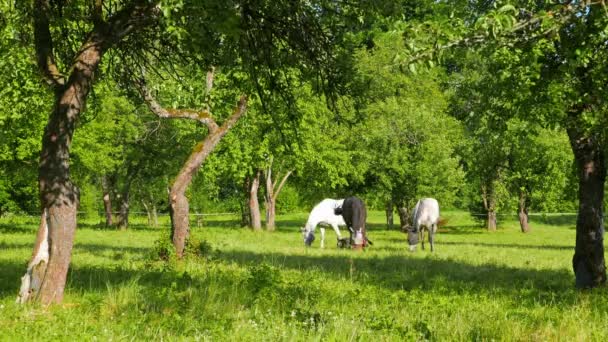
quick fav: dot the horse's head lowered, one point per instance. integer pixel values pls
(307, 235)
(412, 237)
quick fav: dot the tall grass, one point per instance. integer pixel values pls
(267, 286)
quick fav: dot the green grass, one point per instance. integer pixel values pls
(267, 287)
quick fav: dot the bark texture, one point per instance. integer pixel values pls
(588, 260)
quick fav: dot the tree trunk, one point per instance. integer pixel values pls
(58, 195)
(270, 206)
(491, 220)
(245, 213)
(588, 261)
(404, 220)
(107, 201)
(123, 211)
(180, 226)
(523, 212)
(272, 192)
(148, 213)
(154, 216)
(36, 269)
(389, 214)
(269, 200)
(178, 202)
(254, 205)
(489, 203)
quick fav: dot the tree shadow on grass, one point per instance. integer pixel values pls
(449, 277)
(88, 278)
(554, 220)
(17, 228)
(507, 245)
(394, 273)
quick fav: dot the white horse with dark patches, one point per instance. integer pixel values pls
(426, 216)
(323, 215)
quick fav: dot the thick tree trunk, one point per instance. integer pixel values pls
(254, 205)
(389, 214)
(245, 212)
(59, 197)
(588, 261)
(107, 201)
(523, 212)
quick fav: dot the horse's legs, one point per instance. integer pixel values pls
(322, 237)
(421, 235)
(337, 230)
(432, 235)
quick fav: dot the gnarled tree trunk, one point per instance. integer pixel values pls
(59, 197)
(254, 204)
(588, 261)
(178, 202)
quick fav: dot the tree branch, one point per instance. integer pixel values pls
(276, 193)
(137, 14)
(44, 45)
(202, 116)
(97, 13)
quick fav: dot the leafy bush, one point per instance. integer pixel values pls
(263, 276)
(198, 248)
(163, 249)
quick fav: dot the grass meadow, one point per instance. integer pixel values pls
(250, 286)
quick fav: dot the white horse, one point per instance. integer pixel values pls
(426, 215)
(323, 215)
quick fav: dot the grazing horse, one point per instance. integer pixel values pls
(355, 214)
(323, 214)
(426, 215)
